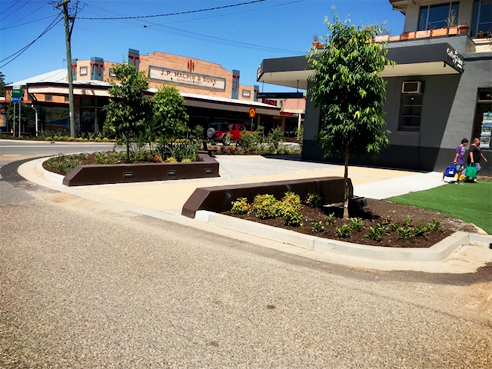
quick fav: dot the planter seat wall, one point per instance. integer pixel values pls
(142, 172)
(218, 199)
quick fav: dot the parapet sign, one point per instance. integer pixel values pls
(280, 95)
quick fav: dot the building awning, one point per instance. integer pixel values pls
(418, 60)
(424, 60)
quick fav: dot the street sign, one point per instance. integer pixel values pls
(18, 92)
(16, 99)
(280, 95)
(252, 113)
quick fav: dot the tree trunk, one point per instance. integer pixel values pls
(346, 185)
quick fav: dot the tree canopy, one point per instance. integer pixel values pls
(346, 86)
(128, 110)
(170, 118)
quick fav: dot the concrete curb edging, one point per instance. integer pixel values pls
(38, 168)
(439, 252)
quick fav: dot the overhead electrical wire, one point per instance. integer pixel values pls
(176, 13)
(23, 24)
(18, 53)
(193, 35)
(13, 25)
(16, 10)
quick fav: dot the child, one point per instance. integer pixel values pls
(459, 158)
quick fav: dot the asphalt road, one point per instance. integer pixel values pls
(87, 285)
(46, 148)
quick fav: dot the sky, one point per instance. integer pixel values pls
(236, 36)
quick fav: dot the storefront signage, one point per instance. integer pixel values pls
(187, 78)
(455, 58)
(280, 95)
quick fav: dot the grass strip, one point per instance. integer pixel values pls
(471, 202)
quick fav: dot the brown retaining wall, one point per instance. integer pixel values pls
(218, 199)
(83, 175)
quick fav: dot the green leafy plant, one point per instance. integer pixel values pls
(344, 231)
(265, 206)
(241, 206)
(314, 200)
(434, 225)
(350, 93)
(406, 234)
(317, 227)
(407, 221)
(292, 217)
(421, 231)
(394, 226)
(356, 224)
(330, 219)
(377, 232)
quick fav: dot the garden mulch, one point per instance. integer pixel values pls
(377, 212)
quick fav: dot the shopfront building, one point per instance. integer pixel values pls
(438, 93)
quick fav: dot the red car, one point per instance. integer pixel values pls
(219, 131)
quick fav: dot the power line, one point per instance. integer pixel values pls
(23, 24)
(18, 53)
(176, 13)
(12, 25)
(15, 11)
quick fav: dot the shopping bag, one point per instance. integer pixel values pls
(471, 171)
(450, 171)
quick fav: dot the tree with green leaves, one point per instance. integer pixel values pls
(128, 111)
(170, 118)
(27, 114)
(347, 88)
(2, 84)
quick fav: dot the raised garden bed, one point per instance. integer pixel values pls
(97, 174)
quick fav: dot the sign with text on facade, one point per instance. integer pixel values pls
(187, 78)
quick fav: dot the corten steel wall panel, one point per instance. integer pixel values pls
(218, 199)
(129, 173)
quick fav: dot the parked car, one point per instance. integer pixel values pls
(219, 131)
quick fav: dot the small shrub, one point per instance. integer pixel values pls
(318, 227)
(421, 231)
(344, 231)
(376, 233)
(265, 206)
(330, 219)
(394, 226)
(171, 159)
(407, 221)
(292, 217)
(356, 224)
(292, 199)
(406, 234)
(314, 200)
(434, 225)
(241, 206)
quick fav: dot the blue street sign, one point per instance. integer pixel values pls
(15, 99)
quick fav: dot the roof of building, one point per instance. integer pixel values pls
(60, 76)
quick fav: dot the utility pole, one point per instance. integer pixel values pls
(68, 35)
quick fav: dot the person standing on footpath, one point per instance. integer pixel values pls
(475, 155)
(459, 158)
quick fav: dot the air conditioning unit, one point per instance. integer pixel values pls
(411, 87)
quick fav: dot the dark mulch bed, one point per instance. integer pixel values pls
(377, 211)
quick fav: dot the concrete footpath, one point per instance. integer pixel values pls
(165, 199)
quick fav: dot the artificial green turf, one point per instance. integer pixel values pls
(471, 202)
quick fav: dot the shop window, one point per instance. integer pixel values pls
(438, 16)
(482, 18)
(83, 71)
(49, 98)
(410, 111)
(246, 93)
(111, 72)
